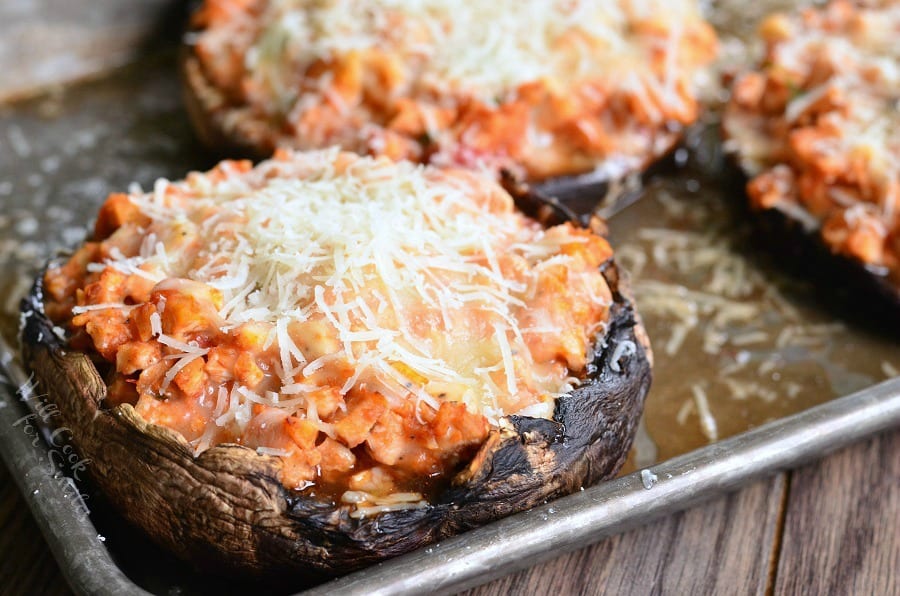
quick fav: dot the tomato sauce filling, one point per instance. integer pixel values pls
(818, 126)
(366, 322)
(543, 89)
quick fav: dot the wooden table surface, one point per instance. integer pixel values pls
(832, 527)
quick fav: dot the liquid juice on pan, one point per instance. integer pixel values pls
(737, 341)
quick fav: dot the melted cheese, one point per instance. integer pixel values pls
(486, 47)
(399, 272)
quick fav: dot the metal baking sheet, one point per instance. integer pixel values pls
(749, 364)
(475, 557)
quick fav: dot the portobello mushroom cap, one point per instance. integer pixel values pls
(226, 508)
(213, 111)
(798, 127)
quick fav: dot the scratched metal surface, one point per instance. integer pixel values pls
(738, 342)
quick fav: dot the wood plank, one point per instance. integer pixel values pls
(50, 42)
(842, 523)
(712, 548)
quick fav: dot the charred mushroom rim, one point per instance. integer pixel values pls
(817, 130)
(573, 90)
(327, 360)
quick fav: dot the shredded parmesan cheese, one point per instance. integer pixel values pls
(304, 306)
(489, 46)
(336, 234)
(707, 421)
(623, 349)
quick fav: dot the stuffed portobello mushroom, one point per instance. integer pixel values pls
(311, 365)
(575, 92)
(817, 130)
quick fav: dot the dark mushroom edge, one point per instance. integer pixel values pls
(226, 510)
(855, 291)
